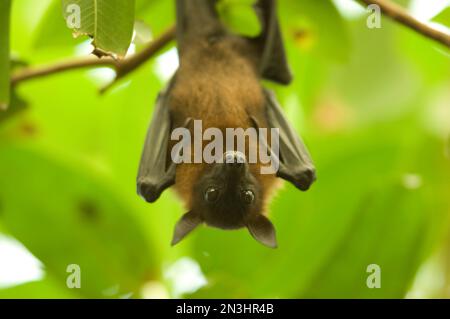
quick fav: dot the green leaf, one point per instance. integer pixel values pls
(239, 16)
(82, 222)
(5, 9)
(52, 23)
(109, 22)
(443, 17)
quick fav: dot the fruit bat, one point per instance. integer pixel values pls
(218, 82)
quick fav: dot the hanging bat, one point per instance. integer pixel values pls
(218, 82)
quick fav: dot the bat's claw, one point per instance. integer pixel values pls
(301, 178)
(148, 190)
(305, 178)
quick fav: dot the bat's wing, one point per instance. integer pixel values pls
(273, 63)
(296, 165)
(156, 173)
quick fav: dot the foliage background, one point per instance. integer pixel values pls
(373, 106)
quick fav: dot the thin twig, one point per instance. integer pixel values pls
(400, 15)
(36, 72)
(122, 67)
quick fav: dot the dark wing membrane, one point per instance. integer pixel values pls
(295, 162)
(154, 177)
(273, 63)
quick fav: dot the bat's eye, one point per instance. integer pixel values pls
(248, 196)
(212, 194)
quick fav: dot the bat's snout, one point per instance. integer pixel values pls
(234, 159)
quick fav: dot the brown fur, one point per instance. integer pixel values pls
(218, 84)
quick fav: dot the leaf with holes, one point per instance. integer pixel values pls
(108, 22)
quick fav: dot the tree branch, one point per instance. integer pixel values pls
(122, 67)
(129, 64)
(400, 15)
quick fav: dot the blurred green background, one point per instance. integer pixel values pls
(373, 106)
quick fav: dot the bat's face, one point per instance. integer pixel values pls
(228, 196)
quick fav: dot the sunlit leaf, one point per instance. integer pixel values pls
(443, 17)
(108, 22)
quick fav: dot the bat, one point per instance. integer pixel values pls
(219, 82)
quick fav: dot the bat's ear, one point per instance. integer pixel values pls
(262, 230)
(184, 226)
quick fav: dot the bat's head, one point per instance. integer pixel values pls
(228, 196)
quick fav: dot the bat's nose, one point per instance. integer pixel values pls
(234, 159)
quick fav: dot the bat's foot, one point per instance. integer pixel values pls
(301, 178)
(148, 191)
(305, 178)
